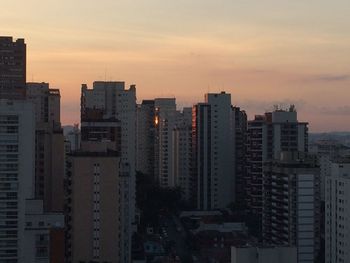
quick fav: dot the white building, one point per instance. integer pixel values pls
(327, 151)
(337, 213)
(263, 255)
(17, 153)
(213, 152)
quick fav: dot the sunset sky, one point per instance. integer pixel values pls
(262, 52)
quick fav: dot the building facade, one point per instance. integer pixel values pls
(240, 155)
(213, 154)
(268, 135)
(337, 212)
(49, 145)
(182, 153)
(12, 68)
(145, 137)
(291, 204)
(95, 203)
(17, 148)
(166, 117)
(271, 254)
(41, 229)
(108, 122)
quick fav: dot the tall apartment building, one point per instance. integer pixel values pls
(27, 232)
(108, 121)
(291, 204)
(240, 151)
(17, 131)
(337, 211)
(166, 117)
(108, 113)
(96, 201)
(327, 152)
(49, 145)
(12, 68)
(268, 135)
(212, 145)
(182, 153)
(145, 137)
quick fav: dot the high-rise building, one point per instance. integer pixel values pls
(240, 151)
(337, 211)
(49, 145)
(96, 203)
(268, 135)
(327, 152)
(213, 152)
(291, 204)
(145, 137)
(12, 68)
(182, 153)
(17, 148)
(166, 117)
(108, 122)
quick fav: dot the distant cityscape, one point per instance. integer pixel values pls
(148, 182)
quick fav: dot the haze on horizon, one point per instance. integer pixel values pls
(262, 52)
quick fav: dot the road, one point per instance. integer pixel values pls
(179, 237)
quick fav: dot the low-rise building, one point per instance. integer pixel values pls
(263, 254)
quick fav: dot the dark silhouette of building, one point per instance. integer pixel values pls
(12, 68)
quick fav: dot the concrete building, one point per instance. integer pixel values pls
(12, 68)
(182, 153)
(240, 151)
(337, 212)
(166, 117)
(327, 152)
(269, 135)
(49, 145)
(41, 244)
(145, 137)
(22, 219)
(291, 204)
(73, 139)
(213, 152)
(97, 197)
(108, 122)
(17, 131)
(263, 255)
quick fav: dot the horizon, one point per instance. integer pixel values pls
(261, 53)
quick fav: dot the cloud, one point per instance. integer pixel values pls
(328, 78)
(340, 110)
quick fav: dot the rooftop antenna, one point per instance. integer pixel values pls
(105, 74)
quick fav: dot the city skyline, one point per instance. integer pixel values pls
(148, 182)
(262, 53)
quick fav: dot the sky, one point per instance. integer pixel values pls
(262, 52)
